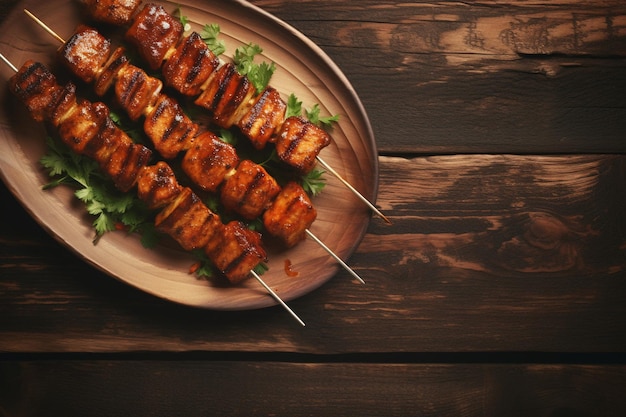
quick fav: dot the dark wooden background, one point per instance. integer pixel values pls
(499, 290)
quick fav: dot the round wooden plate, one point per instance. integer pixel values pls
(302, 68)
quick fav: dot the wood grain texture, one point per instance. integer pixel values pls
(486, 253)
(105, 388)
(449, 77)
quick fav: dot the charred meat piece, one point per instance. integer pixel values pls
(125, 164)
(189, 221)
(249, 191)
(170, 130)
(37, 88)
(290, 215)
(299, 142)
(191, 64)
(136, 91)
(108, 74)
(85, 53)
(209, 160)
(236, 251)
(157, 185)
(264, 118)
(116, 12)
(154, 33)
(82, 124)
(227, 96)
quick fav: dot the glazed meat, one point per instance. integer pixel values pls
(299, 142)
(249, 191)
(136, 91)
(157, 185)
(169, 129)
(85, 53)
(189, 221)
(154, 33)
(264, 118)
(209, 160)
(37, 88)
(236, 251)
(116, 12)
(227, 96)
(291, 214)
(191, 64)
(108, 74)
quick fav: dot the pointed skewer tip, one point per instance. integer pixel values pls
(334, 255)
(277, 298)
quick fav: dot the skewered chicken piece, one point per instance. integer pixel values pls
(87, 129)
(244, 200)
(192, 58)
(112, 11)
(245, 187)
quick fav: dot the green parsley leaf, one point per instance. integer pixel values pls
(209, 35)
(312, 182)
(294, 106)
(313, 114)
(258, 74)
(184, 20)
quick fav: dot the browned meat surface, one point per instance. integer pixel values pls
(209, 160)
(237, 251)
(157, 185)
(154, 32)
(227, 96)
(249, 191)
(169, 129)
(85, 53)
(299, 142)
(191, 64)
(136, 91)
(37, 88)
(116, 12)
(108, 74)
(264, 118)
(189, 221)
(290, 215)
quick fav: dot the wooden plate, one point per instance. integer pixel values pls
(302, 68)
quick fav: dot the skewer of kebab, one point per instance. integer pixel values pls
(246, 187)
(86, 128)
(190, 67)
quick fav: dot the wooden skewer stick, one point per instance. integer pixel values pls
(326, 166)
(320, 160)
(354, 190)
(271, 292)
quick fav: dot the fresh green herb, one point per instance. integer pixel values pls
(110, 207)
(313, 115)
(312, 182)
(229, 137)
(183, 19)
(209, 35)
(294, 106)
(258, 74)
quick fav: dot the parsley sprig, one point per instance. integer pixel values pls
(258, 73)
(112, 209)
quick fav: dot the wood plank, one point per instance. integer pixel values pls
(455, 77)
(105, 388)
(486, 253)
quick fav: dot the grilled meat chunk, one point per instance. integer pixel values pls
(116, 12)
(135, 91)
(299, 142)
(170, 130)
(227, 96)
(191, 64)
(81, 124)
(154, 33)
(264, 118)
(108, 74)
(209, 160)
(157, 185)
(125, 164)
(85, 53)
(189, 221)
(37, 88)
(249, 191)
(290, 215)
(236, 251)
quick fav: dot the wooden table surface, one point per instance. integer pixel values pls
(499, 289)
